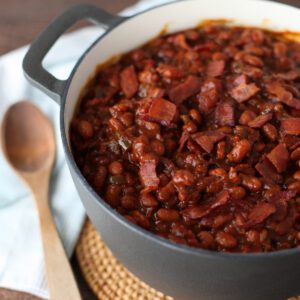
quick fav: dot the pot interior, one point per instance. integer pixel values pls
(173, 17)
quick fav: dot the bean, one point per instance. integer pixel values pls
(246, 117)
(100, 177)
(296, 175)
(168, 215)
(221, 220)
(183, 177)
(253, 60)
(259, 147)
(115, 168)
(166, 192)
(140, 219)
(251, 183)
(237, 192)
(206, 239)
(148, 200)
(129, 178)
(190, 127)
(239, 152)
(270, 131)
(218, 172)
(221, 150)
(158, 147)
(226, 240)
(294, 186)
(196, 116)
(85, 129)
(128, 202)
(127, 119)
(295, 155)
(112, 195)
(279, 49)
(253, 236)
(263, 235)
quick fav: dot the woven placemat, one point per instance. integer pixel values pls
(109, 279)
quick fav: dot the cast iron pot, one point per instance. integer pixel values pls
(179, 271)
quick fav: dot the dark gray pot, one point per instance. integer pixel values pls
(176, 270)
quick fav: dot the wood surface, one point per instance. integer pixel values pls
(20, 22)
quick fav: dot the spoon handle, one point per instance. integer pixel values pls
(60, 278)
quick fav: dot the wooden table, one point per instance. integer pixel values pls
(20, 22)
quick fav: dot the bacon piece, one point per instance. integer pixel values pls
(267, 170)
(279, 157)
(209, 95)
(183, 91)
(215, 68)
(161, 111)
(169, 71)
(261, 120)
(282, 95)
(129, 81)
(244, 92)
(148, 174)
(291, 126)
(224, 115)
(260, 213)
(183, 139)
(241, 79)
(208, 139)
(289, 76)
(201, 211)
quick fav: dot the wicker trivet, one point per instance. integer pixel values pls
(107, 278)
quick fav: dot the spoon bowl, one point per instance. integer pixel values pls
(28, 138)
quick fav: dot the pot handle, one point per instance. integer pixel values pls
(32, 63)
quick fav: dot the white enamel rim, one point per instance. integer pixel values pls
(139, 29)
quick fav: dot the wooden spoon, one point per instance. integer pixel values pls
(29, 145)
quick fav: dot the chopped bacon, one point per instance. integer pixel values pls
(183, 139)
(267, 170)
(291, 126)
(208, 139)
(186, 89)
(161, 111)
(221, 199)
(260, 213)
(129, 81)
(209, 95)
(215, 68)
(241, 79)
(290, 75)
(180, 40)
(261, 120)
(203, 210)
(279, 157)
(224, 115)
(169, 71)
(148, 174)
(283, 95)
(244, 92)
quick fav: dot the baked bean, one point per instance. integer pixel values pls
(127, 119)
(158, 147)
(100, 177)
(190, 127)
(270, 131)
(251, 183)
(253, 60)
(294, 186)
(168, 215)
(221, 151)
(247, 116)
(183, 177)
(226, 240)
(166, 192)
(148, 200)
(115, 168)
(240, 150)
(218, 172)
(128, 202)
(295, 155)
(206, 239)
(237, 192)
(112, 195)
(296, 175)
(85, 129)
(195, 116)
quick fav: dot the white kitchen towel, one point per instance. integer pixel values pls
(21, 256)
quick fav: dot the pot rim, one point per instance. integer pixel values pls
(121, 219)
